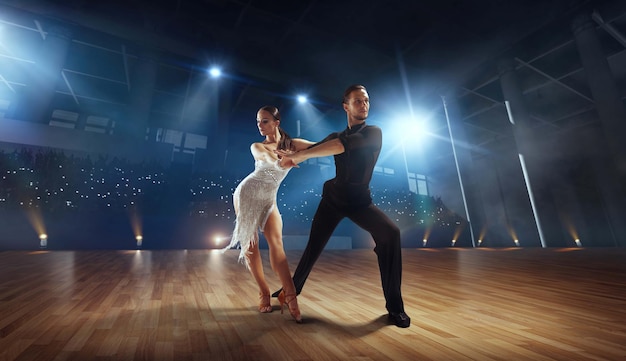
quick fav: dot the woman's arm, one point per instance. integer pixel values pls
(331, 147)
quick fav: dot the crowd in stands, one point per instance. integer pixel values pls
(54, 181)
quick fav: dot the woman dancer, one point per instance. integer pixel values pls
(255, 207)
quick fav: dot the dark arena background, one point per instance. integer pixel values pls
(125, 127)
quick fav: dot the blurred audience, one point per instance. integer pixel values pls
(56, 182)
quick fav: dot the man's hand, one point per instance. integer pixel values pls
(286, 159)
(286, 162)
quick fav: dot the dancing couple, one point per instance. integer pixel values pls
(355, 151)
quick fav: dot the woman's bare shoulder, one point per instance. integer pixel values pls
(262, 151)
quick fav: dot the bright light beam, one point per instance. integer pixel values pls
(215, 72)
(418, 129)
(405, 84)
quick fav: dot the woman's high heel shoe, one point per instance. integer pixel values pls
(292, 305)
(264, 303)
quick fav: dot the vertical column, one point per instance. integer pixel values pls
(514, 101)
(524, 209)
(465, 168)
(603, 88)
(35, 105)
(495, 195)
(610, 167)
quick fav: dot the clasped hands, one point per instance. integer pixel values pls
(286, 158)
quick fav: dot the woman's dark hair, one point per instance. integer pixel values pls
(350, 89)
(285, 139)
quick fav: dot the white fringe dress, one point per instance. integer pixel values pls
(254, 199)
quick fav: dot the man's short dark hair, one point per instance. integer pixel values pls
(350, 89)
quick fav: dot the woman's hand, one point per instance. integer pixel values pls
(287, 162)
(283, 152)
(286, 158)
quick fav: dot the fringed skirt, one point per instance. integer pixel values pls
(254, 199)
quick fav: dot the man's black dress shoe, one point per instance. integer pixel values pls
(399, 319)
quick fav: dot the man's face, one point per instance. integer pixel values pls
(358, 105)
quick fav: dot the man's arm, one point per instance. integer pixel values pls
(331, 147)
(301, 144)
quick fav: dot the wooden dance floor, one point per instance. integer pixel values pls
(465, 304)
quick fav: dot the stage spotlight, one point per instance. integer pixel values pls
(43, 240)
(514, 236)
(408, 131)
(218, 240)
(139, 239)
(418, 128)
(424, 241)
(302, 99)
(573, 233)
(453, 242)
(483, 231)
(215, 72)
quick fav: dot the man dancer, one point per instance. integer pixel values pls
(356, 151)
